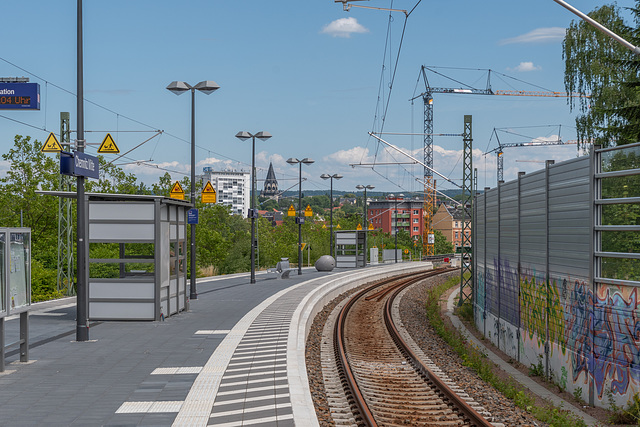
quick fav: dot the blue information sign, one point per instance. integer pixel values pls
(79, 164)
(19, 96)
(192, 216)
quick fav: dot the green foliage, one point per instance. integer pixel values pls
(43, 283)
(465, 312)
(537, 370)
(619, 415)
(441, 244)
(595, 64)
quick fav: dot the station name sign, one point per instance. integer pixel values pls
(19, 96)
(79, 164)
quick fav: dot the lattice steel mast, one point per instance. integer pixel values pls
(466, 283)
(65, 247)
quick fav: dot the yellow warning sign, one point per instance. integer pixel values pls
(370, 226)
(291, 211)
(359, 227)
(51, 145)
(108, 145)
(176, 191)
(308, 211)
(324, 225)
(338, 226)
(303, 246)
(208, 193)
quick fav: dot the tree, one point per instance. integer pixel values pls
(31, 170)
(596, 64)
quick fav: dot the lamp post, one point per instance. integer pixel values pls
(299, 218)
(207, 87)
(253, 213)
(365, 226)
(332, 177)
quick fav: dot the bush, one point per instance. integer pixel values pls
(44, 283)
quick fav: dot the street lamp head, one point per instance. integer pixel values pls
(325, 176)
(359, 187)
(263, 136)
(338, 176)
(178, 87)
(370, 187)
(243, 135)
(207, 87)
(293, 161)
(307, 161)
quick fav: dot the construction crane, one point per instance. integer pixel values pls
(427, 97)
(531, 143)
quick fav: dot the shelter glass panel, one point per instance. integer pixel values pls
(19, 269)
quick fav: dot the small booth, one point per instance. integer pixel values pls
(15, 286)
(351, 250)
(137, 256)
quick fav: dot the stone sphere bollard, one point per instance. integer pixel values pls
(325, 263)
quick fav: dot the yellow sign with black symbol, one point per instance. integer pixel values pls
(208, 193)
(51, 145)
(308, 211)
(176, 191)
(291, 211)
(359, 227)
(108, 146)
(370, 226)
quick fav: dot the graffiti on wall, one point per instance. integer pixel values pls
(578, 333)
(616, 328)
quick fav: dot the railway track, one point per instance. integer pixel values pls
(385, 382)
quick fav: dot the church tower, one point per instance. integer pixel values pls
(270, 184)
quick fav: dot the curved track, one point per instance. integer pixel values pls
(386, 383)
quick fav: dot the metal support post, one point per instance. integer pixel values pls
(24, 336)
(82, 318)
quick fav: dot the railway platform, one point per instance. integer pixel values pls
(236, 358)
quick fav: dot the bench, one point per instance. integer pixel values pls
(282, 269)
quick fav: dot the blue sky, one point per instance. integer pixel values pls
(314, 76)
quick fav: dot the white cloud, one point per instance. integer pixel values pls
(344, 27)
(353, 155)
(539, 35)
(525, 66)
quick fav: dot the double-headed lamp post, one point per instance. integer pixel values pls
(365, 226)
(207, 87)
(332, 177)
(253, 213)
(300, 217)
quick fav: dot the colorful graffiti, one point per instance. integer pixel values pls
(616, 330)
(578, 332)
(533, 301)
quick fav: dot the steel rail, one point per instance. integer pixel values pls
(354, 394)
(341, 353)
(471, 415)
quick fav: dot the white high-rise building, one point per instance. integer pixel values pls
(233, 188)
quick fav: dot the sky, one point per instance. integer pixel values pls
(314, 76)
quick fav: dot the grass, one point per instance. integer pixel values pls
(476, 360)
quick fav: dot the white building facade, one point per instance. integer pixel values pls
(233, 188)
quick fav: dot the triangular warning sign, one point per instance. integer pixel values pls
(51, 145)
(108, 145)
(177, 188)
(208, 193)
(208, 188)
(176, 191)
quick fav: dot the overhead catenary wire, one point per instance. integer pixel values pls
(47, 83)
